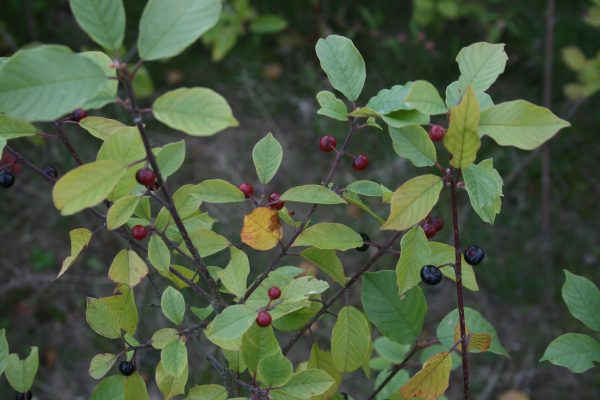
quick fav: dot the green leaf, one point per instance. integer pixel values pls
(196, 111)
(227, 329)
(413, 142)
(3, 351)
(103, 21)
(202, 312)
(462, 140)
(484, 185)
(304, 385)
(391, 351)
(164, 336)
(21, 373)
(218, 191)
(368, 188)
(402, 118)
(235, 274)
(119, 213)
(207, 392)
(187, 201)
(331, 106)
(135, 387)
(520, 124)
(442, 253)
(111, 388)
(583, 299)
(13, 128)
(414, 254)
(108, 93)
(480, 65)
(412, 201)
(343, 65)
(123, 307)
(268, 23)
(314, 194)
(424, 97)
(44, 82)
(159, 254)
(169, 385)
(350, 340)
(455, 92)
(400, 318)
(170, 158)
(274, 370)
(174, 357)
(475, 323)
(328, 235)
(172, 304)
(80, 238)
(127, 268)
(392, 386)
(389, 100)
(267, 155)
(102, 319)
(207, 242)
(301, 289)
(103, 128)
(327, 261)
(2, 145)
(86, 186)
(168, 27)
(257, 343)
(322, 360)
(574, 58)
(574, 351)
(101, 364)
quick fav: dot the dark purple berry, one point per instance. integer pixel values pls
(6, 179)
(78, 114)
(438, 222)
(126, 368)
(473, 255)
(274, 201)
(365, 245)
(50, 172)
(431, 275)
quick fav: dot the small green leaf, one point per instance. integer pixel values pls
(402, 118)
(21, 373)
(120, 212)
(13, 128)
(462, 140)
(414, 254)
(314, 194)
(274, 370)
(3, 351)
(268, 23)
(574, 351)
(343, 65)
(413, 142)
(424, 97)
(159, 254)
(112, 387)
(480, 65)
(350, 340)
(235, 274)
(174, 357)
(484, 185)
(391, 351)
(172, 304)
(389, 100)
(583, 299)
(202, 312)
(80, 238)
(267, 155)
(195, 111)
(218, 191)
(257, 343)
(331, 106)
(328, 235)
(207, 392)
(304, 385)
(103, 21)
(101, 364)
(327, 261)
(108, 93)
(135, 387)
(103, 128)
(227, 329)
(442, 253)
(322, 360)
(186, 200)
(164, 336)
(207, 242)
(127, 268)
(102, 319)
(302, 288)
(167, 27)
(170, 158)
(169, 385)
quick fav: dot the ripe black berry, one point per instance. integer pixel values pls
(20, 396)
(436, 133)
(431, 275)
(274, 201)
(360, 162)
(365, 245)
(126, 368)
(29, 395)
(327, 143)
(78, 114)
(274, 293)
(6, 179)
(50, 172)
(145, 176)
(473, 255)
(263, 319)
(247, 189)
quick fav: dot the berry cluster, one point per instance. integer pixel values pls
(264, 319)
(328, 143)
(274, 199)
(432, 225)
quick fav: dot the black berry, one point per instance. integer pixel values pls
(6, 179)
(473, 255)
(78, 114)
(360, 162)
(20, 396)
(327, 143)
(126, 368)
(365, 245)
(431, 275)
(50, 172)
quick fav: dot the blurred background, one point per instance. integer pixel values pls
(261, 58)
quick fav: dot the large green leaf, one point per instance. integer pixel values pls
(207, 242)
(414, 254)
(267, 155)
(174, 357)
(274, 370)
(331, 106)
(424, 97)
(583, 299)
(127, 268)
(172, 304)
(167, 27)
(400, 318)
(343, 65)
(42, 83)
(480, 65)
(521, 124)
(135, 387)
(102, 20)
(412, 201)
(119, 213)
(218, 191)
(102, 319)
(484, 185)
(350, 340)
(304, 385)
(227, 329)
(13, 128)
(328, 235)
(328, 261)
(112, 387)
(21, 373)
(574, 351)
(196, 111)
(413, 142)
(314, 194)
(462, 139)
(257, 343)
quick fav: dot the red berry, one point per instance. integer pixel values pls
(429, 230)
(145, 176)
(139, 232)
(436, 133)
(274, 201)
(263, 319)
(327, 143)
(274, 293)
(16, 168)
(247, 189)
(78, 114)
(438, 222)
(360, 162)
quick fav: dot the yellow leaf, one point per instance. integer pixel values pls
(513, 395)
(127, 268)
(262, 229)
(431, 381)
(478, 342)
(462, 139)
(80, 238)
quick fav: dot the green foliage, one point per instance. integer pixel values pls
(21, 373)
(172, 304)
(316, 194)
(327, 235)
(267, 155)
(103, 21)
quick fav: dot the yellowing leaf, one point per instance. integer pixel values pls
(431, 381)
(262, 229)
(462, 139)
(80, 238)
(478, 342)
(127, 268)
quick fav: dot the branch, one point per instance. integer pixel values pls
(193, 285)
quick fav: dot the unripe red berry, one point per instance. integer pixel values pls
(247, 189)
(145, 176)
(327, 143)
(78, 114)
(139, 232)
(436, 133)
(274, 293)
(360, 162)
(429, 230)
(438, 222)
(263, 319)
(274, 201)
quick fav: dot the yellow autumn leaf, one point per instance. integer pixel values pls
(478, 342)
(431, 381)
(462, 139)
(262, 229)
